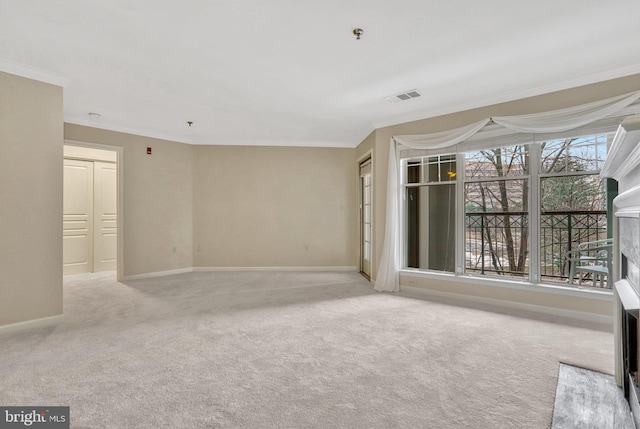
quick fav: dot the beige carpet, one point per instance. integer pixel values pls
(288, 350)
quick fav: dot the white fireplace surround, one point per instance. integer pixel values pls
(624, 156)
(626, 205)
(623, 161)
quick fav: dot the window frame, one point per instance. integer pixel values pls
(404, 216)
(526, 178)
(534, 177)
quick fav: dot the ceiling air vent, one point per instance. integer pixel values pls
(408, 95)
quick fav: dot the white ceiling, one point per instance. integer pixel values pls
(290, 72)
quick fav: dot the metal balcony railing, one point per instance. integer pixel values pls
(561, 232)
(498, 242)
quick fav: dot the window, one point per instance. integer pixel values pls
(572, 200)
(496, 190)
(430, 212)
(523, 206)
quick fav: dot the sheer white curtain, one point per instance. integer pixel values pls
(569, 118)
(387, 279)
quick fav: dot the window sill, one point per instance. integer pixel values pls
(598, 294)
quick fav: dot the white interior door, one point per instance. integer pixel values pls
(77, 217)
(105, 216)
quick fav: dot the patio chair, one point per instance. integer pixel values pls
(591, 259)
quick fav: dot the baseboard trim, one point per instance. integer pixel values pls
(31, 324)
(512, 305)
(239, 269)
(158, 274)
(323, 268)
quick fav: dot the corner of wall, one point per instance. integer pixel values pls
(31, 187)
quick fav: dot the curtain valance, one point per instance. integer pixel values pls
(441, 139)
(546, 122)
(567, 119)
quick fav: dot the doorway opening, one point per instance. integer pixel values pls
(365, 208)
(91, 209)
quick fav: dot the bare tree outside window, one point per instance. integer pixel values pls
(572, 200)
(496, 199)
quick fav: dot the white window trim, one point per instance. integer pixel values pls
(535, 175)
(600, 294)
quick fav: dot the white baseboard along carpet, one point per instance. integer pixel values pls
(287, 350)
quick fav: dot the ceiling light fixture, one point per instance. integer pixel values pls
(358, 32)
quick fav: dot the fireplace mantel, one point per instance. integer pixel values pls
(628, 297)
(627, 204)
(624, 154)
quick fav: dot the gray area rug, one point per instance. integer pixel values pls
(288, 350)
(589, 399)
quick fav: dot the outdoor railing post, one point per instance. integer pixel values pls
(482, 242)
(569, 246)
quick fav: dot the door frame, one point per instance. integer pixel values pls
(119, 150)
(365, 156)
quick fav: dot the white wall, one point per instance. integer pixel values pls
(31, 138)
(230, 206)
(274, 207)
(158, 199)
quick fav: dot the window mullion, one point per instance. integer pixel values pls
(534, 212)
(460, 215)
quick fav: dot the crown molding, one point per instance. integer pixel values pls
(205, 141)
(137, 132)
(279, 143)
(511, 96)
(34, 73)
